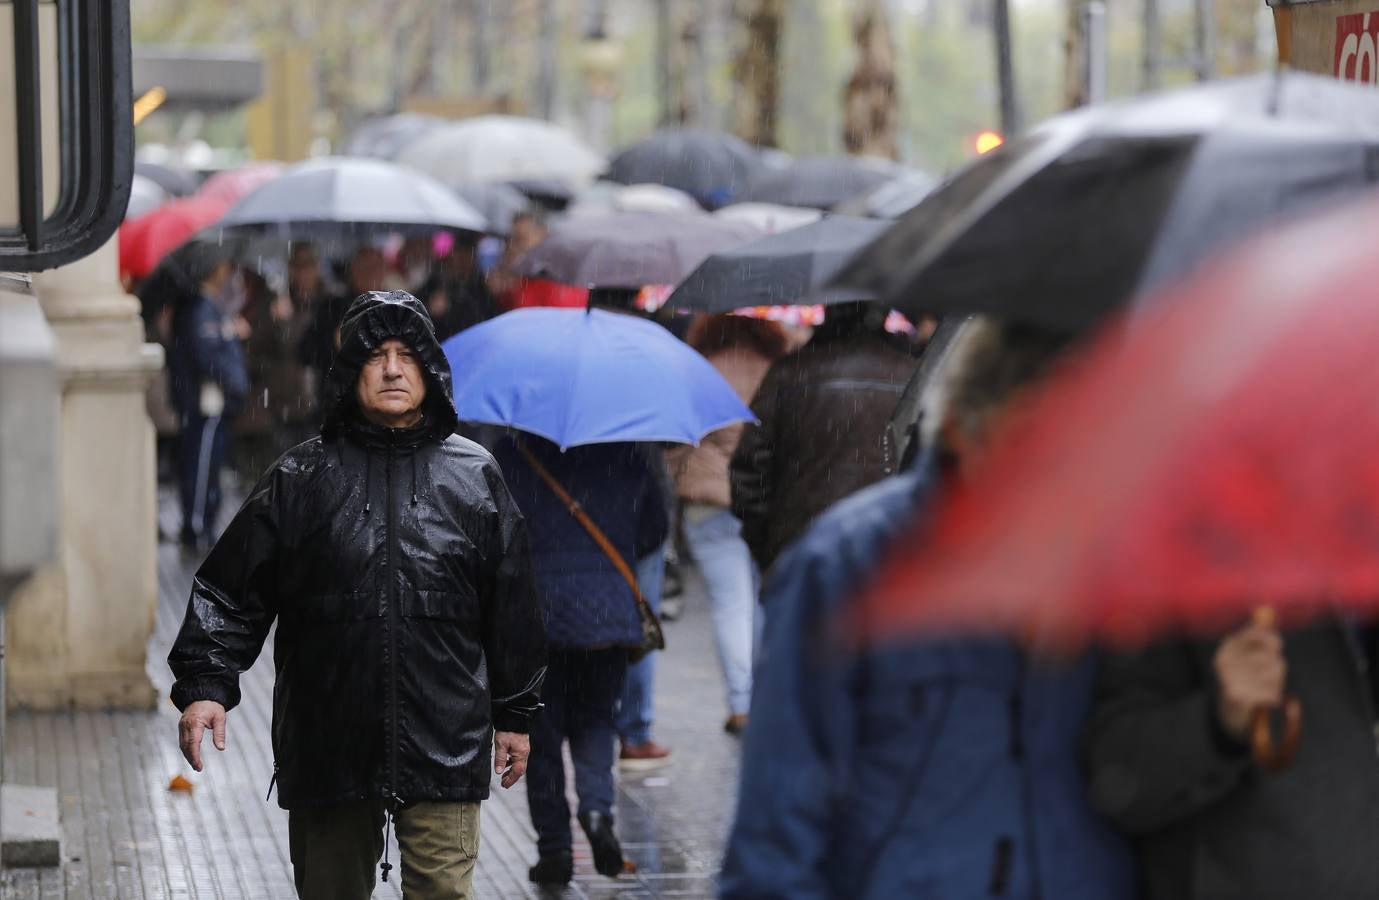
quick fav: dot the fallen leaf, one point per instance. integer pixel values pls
(179, 783)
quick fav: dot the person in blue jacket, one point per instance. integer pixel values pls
(940, 768)
(209, 383)
(592, 623)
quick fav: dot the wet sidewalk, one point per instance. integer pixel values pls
(128, 836)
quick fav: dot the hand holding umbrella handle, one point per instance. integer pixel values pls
(1275, 757)
(1271, 757)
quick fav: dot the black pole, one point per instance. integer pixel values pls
(1005, 68)
(30, 121)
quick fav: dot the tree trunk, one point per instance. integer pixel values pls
(871, 103)
(546, 63)
(694, 82)
(1005, 68)
(665, 63)
(1074, 53)
(481, 34)
(757, 70)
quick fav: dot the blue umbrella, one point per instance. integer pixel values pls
(588, 377)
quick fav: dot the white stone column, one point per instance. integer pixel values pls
(79, 628)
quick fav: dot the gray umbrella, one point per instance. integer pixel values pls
(324, 196)
(384, 137)
(1100, 205)
(821, 182)
(785, 268)
(499, 203)
(892, 199)
(145, 195)
(710, 166)
(177, 181)
(630, 249)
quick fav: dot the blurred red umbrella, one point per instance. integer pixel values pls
(231, 185)
(146, 240)
(1214, 454)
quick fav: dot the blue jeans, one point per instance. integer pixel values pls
(579, 693)
(637, 712)
(716, 544)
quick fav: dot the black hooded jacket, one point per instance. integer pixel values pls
(397, 568)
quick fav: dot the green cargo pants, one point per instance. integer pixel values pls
(335, 851)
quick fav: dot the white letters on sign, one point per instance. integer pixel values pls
(1357, 47)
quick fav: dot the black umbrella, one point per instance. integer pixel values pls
(178, 182)
(710, 166)
(820, 182)
(1102, 204)
(785, 268)
(630, 249)
(552, 194)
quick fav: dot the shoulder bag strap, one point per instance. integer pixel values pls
(590, 526)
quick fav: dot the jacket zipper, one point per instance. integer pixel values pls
(389, 537)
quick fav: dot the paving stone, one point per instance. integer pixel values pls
(30, 834)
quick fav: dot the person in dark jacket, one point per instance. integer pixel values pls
(398, 569)
(456, 293)
(208, 383)
(934, 767)
(1171, 764)
(823, 412)
(591, 622)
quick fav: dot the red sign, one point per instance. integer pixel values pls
(1357, 47)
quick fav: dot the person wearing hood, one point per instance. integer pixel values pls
(410, 649)
(938, 766)
(208, 383)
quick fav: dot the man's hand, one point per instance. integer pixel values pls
(1250, 671)
(196, 719)
(510, 752)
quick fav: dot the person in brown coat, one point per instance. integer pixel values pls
(823, 411)
(742, 350)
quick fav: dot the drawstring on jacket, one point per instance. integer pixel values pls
(414, 478)
(385, 867)
(368, 483)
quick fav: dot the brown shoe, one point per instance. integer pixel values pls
(736, 724)
(643, 756)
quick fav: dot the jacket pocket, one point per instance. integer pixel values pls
(446, 606)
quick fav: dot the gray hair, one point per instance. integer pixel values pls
(987, 364)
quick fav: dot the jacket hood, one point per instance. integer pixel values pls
(371, 319)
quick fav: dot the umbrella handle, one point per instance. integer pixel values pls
(1271, 757)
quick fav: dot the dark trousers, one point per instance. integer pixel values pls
(202, 451)
(581, 694)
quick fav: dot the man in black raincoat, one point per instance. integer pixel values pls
(398, 570)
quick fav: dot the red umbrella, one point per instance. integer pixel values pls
(146, 240)
(231, 185)
(1210, 456)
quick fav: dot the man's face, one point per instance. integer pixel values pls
(368, 269)
(304, 273)
(526, 234)
(391, 386)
